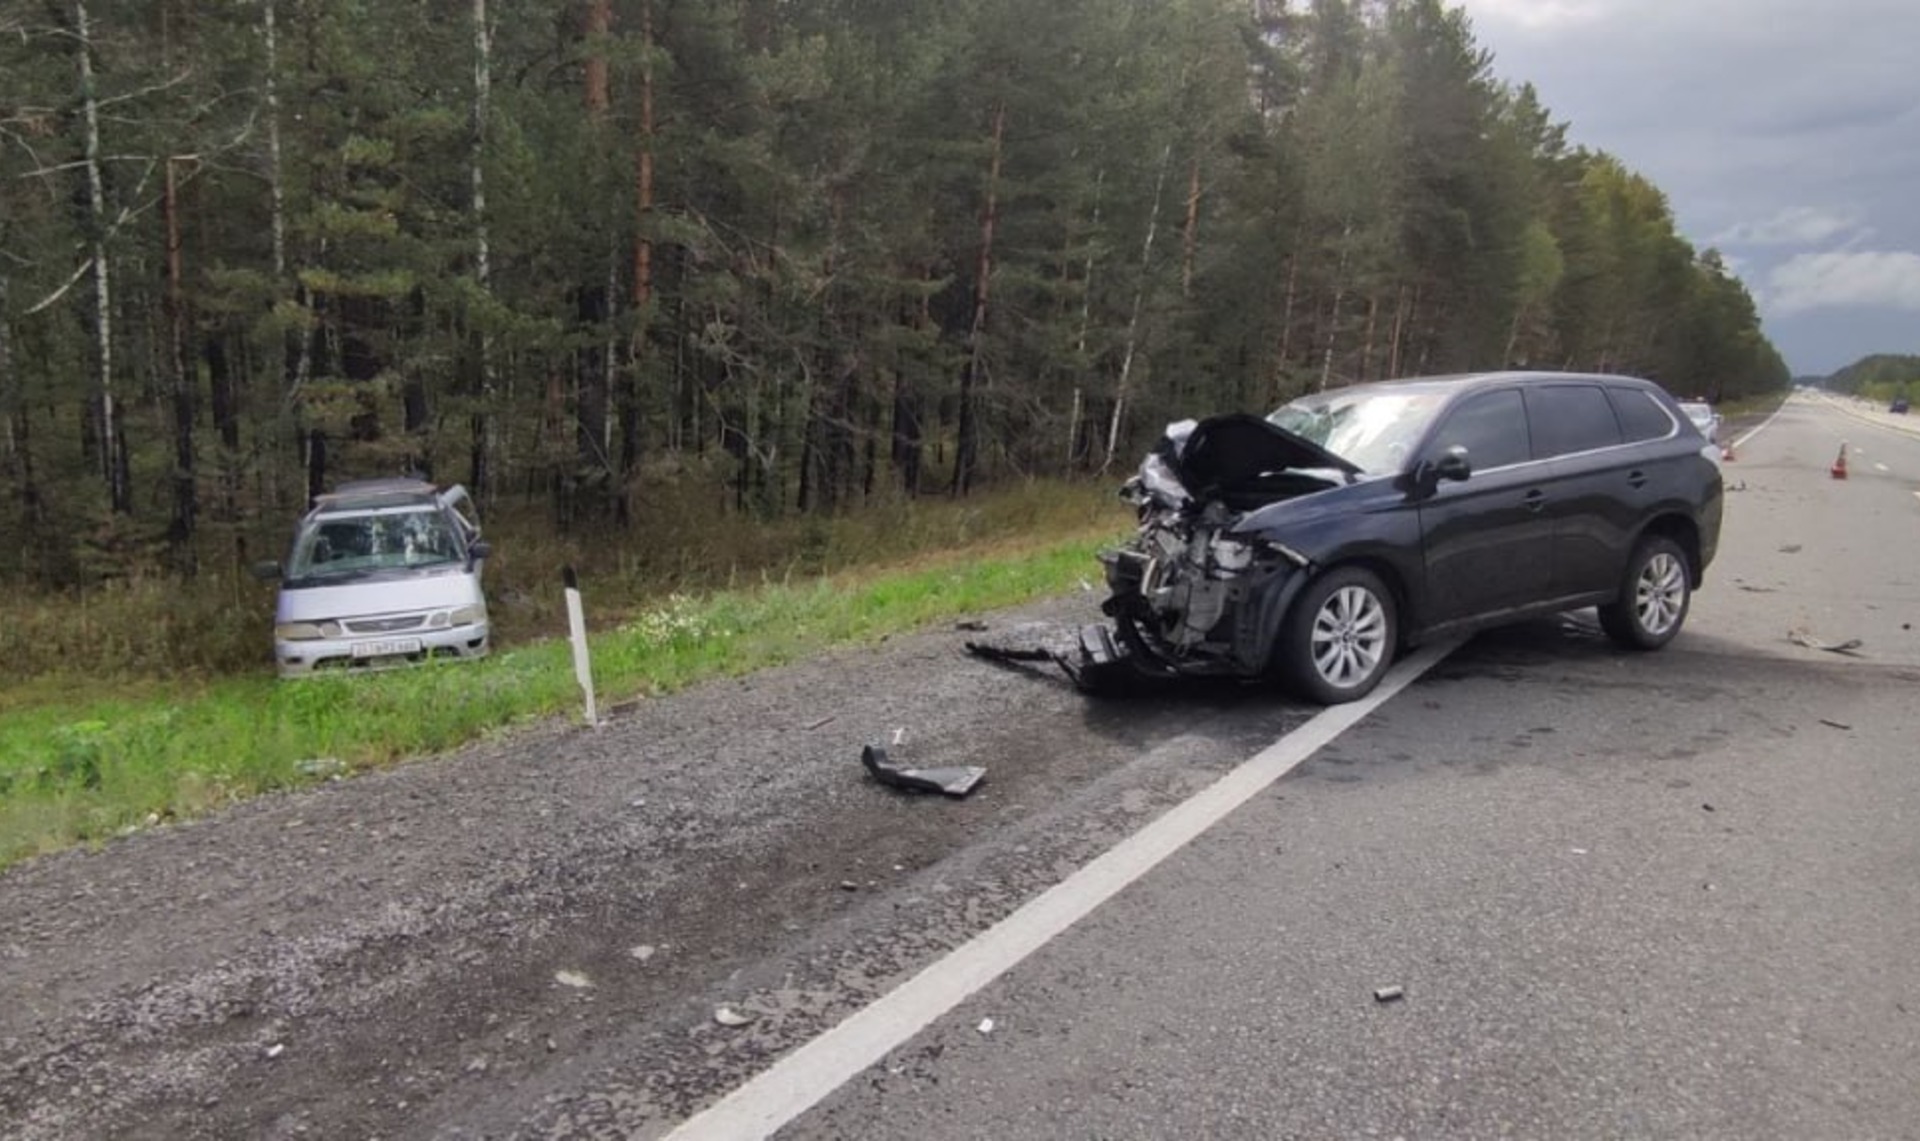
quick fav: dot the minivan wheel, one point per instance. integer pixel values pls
(1654, 596)
(1339, 638)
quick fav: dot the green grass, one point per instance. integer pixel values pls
(77, 770)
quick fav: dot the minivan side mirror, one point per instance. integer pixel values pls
(266, 571)
(477, 551)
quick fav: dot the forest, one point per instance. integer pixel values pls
(772, 258)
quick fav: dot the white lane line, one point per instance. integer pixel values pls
(1768, 423)
(798, 1081)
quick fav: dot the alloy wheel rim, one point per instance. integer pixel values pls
(1349, 636)
(1660, 594)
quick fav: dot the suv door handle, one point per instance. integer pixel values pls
(1535, 500)
(1637, 480)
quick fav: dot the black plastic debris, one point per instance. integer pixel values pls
(950, 780)
(1101, 663)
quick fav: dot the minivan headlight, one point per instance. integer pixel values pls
(468, 616)
(306, 631)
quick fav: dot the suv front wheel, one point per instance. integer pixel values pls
(1339, 638)
(1654, 596)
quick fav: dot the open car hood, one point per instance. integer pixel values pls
(1223, 452)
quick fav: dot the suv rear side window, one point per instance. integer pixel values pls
(1570, 418)
(1641, 415)
(1492, 426)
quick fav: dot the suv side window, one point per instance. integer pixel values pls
(1492, 426)
(1570, 418)
(1641, 415)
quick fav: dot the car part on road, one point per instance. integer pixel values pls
(1389, 994)
(1850, 647)
(951, 780)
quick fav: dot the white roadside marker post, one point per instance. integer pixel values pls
(577, 625)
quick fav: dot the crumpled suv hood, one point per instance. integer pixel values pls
(1215, 457)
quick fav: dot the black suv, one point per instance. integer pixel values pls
(1319, 541)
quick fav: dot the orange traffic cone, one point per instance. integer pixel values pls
(1839, 469)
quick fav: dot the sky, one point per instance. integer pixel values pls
(1785, 133)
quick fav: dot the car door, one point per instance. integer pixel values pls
(1594, 489)
(1486, 541)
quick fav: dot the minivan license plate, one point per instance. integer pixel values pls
(386, 648)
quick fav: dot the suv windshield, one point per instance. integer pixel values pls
(350, 545)
(1374, 431)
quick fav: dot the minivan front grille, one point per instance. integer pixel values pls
(387, 625)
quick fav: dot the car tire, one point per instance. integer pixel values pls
(1340, 636)
(1654, 596)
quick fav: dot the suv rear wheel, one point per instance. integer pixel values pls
(1654, 596)
(1339, 638)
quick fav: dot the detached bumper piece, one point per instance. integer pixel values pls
(1101, 665)
(951, 780)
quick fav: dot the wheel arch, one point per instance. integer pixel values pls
(1684, 532)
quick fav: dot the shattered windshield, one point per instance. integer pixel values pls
(1375, 431)
(354, 545)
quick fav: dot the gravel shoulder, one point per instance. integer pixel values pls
(532, 935)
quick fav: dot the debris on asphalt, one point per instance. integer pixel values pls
(1791, 549)
(275, 1050)
(1707, 807)
(1835, 724)
(643, 952)
(1099, 663)
(1389, 994)
(986, 1026)
(971, 626)
(811, 726)
(573, 979)
(1803, 638)
(951, 780)
(321, 766)
(728, 1016)
(849, 885)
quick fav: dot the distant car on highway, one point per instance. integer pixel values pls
(1704, 418)
(1319, 541)
(1899, 405)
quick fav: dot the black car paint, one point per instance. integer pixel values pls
(1535, 537)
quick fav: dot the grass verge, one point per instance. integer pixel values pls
(85, 771)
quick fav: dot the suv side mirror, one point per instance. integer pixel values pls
(477, 551)
(1430, 474)
(1454, 465)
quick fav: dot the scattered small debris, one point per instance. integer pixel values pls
(275, 1050)
(971, 626)
(1707, 807)
(1751, 589)
(1835, 724)
(953, 780)
(1803, 638)
(636, 804)
(986, 1026)
(574, 979)
(728, 1016)
(849, 885)
(643, 952)
(811, 726)
(320, 766)
(477, 1066)
(1579, 851)
(1389, 994)
(1791, 549)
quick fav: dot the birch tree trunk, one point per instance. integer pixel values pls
(113, 451)
(1080, 338)
(1191, 237)
(966, 435)
(486, 443)
(1120, 388)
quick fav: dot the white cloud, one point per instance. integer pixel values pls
(1541, 14)
(1845, 280)
(1794, 226)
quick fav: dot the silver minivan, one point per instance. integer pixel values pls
(382, 572)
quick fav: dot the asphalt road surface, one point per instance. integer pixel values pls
(1619, 895)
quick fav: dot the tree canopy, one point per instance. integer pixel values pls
(781, 256)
